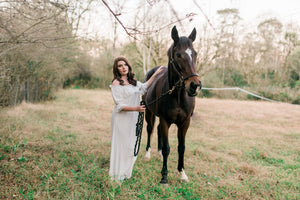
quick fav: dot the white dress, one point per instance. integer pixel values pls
(123, 125)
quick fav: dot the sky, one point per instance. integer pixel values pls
(285, 10)
(251, 11)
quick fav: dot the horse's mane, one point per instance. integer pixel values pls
(150, 73)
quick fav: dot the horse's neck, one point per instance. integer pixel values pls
(173, 77)
(178, 92)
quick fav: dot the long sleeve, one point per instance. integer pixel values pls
(142, 87)
(118, 98)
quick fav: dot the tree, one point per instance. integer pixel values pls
(226, 41)
(37, 48)
(295, 68)
(207, 52)
(269, 31)
(249, 57)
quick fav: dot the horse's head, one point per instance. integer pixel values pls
(182, 63)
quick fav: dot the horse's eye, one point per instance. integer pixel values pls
(178, 55)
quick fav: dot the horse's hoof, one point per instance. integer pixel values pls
(164, 181)
(148, 154)
(164, 185)
(183, 177)
(161, 156)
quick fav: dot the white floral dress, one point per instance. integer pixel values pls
(123, 125)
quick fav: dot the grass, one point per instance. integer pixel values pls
(234, 150)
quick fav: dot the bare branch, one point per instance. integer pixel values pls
(58, 5)
(152, 2)
(7, 50)
(162, 27)
(80, 15)
(195, 2)
(174, 12)
(5, 28)
(133, 31)
(116, 16)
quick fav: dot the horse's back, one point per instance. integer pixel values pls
(150, 73)
(158, 86)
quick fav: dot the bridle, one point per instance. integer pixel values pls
(181, 77)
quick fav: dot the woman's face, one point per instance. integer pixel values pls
(122, 68)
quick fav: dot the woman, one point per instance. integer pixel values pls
(126, 92)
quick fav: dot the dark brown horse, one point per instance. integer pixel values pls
(171, 97)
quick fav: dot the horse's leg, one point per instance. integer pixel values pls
(181, 148)
(150, 118)
(159, 144)
(164, 129)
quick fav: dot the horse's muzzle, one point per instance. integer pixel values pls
(193, 90)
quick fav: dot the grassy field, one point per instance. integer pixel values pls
(234, 150)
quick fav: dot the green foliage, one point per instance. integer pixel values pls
(235, 78)
(297, 100)
(294, 81)
(256, 155)
(29, 194)
(205, 93)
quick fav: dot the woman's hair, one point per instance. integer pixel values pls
(117, 75)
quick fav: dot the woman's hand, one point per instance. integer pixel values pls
(154, 75)
(158, 71)
(141, 108)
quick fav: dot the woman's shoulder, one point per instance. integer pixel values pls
(138, 83)
(115, 82)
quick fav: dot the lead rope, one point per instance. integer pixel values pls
(140, 121)
(138, 131)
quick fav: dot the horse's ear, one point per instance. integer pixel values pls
(174, 35)
(193, 35)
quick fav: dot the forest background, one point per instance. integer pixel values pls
(43, 48)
